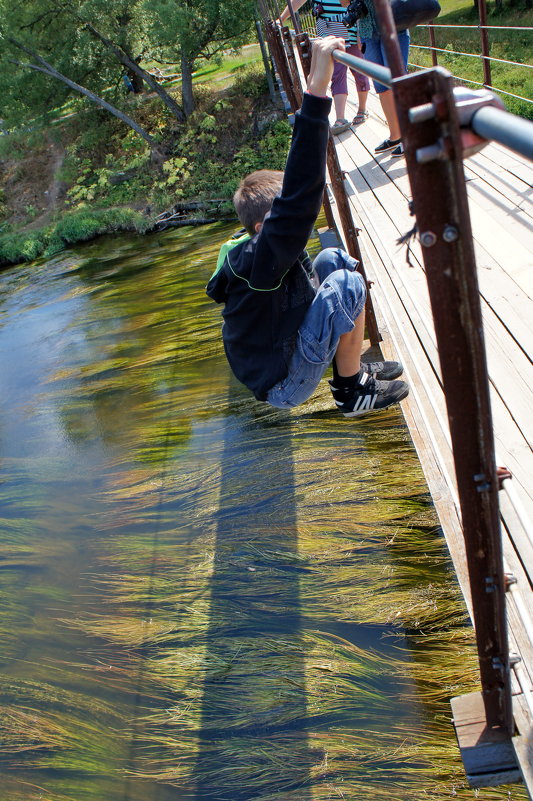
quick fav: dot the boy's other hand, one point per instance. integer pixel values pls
(322, 64)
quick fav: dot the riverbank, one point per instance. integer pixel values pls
(84, 174)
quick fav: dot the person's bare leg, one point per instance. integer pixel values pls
(362, 98)
(389, 109)
(348, 353)
(340, 106)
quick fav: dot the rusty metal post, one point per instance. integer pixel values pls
(277, 50)
(295, 19)
(433, 44)
(351, 235)
(433, 150)
(266, 63)
(291, 60)
(485, 47)
(304, 48)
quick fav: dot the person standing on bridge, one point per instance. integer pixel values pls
(285, 320)
(374, 51)
(329, 15)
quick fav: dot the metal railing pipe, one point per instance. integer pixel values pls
(376, 71)
(507, 129)
(477, 27)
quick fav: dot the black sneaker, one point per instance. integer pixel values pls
(388, 144)
(369, 395)
(384, 371)
(398, 152)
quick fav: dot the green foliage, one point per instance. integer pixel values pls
(80, 226)
(3, 207)
(17, 247)
(251, 82)
(196, 176)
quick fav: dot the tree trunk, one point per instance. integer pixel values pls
(47, 69)
(136, 81)
(133, 67)
(187, 98)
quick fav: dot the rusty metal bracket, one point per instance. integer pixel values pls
(502, 474)
(467, 103)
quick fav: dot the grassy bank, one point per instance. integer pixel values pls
(84, 173)
(509, 45)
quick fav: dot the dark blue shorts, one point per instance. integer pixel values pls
(338, 303)
(375, 51)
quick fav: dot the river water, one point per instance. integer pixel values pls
(202, 597)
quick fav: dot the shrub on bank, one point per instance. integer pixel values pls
(76, 226)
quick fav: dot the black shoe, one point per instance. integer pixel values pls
(384, 371)
(388, 144)
(369, 395)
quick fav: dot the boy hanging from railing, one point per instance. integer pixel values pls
(285, 322)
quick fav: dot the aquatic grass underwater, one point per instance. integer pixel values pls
(203, 597)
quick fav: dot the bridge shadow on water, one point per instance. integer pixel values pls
(254, 694)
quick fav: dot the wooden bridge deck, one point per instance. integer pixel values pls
(500, 193)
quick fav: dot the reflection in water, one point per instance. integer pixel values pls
(201, 597)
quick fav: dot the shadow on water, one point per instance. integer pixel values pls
(250, 695)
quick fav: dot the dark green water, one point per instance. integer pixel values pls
(201, 597)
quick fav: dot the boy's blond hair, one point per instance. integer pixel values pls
(254, 197)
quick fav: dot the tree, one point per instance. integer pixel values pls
(45, 68)
(134, 69)
(64, 44)
(189, 30)
(43, 29)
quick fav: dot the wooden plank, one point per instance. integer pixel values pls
(523, 743)
(511, 162)
(515, 375)
(521, 564)
(488, 754)
(419, 412)
(512, 451)
(506, 298)
(503, 294)
(512, 375)
(506, 189)
(514, 219)
(513, 256)
(507, 182)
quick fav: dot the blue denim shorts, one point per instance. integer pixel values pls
(339, 301)
(374, 51)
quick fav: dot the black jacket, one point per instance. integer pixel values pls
(263, 281)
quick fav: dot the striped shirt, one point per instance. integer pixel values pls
(330, 22)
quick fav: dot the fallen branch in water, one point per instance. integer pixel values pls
(178, 215)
